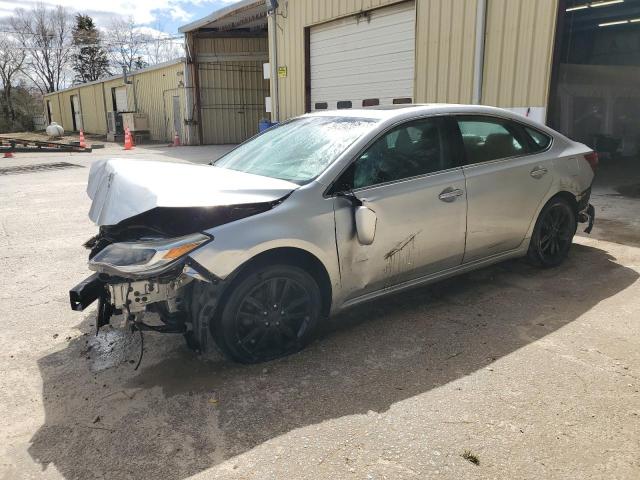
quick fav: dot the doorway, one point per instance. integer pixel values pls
(595, 91)
(76, 113)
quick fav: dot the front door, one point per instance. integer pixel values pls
(507, 178)
(411, 179)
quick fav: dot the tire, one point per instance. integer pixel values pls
(553, 234)
(271, 311)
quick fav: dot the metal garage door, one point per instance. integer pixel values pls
(364, 58)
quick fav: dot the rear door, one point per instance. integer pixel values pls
(507, 177)
(413, 182)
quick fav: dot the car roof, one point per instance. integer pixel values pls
(399, 112)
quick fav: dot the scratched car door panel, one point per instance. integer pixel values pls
(408, 179)
(505, 183)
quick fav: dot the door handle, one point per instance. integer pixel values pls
(538, 172)
(450, 194)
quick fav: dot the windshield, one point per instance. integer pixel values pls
(298, 150)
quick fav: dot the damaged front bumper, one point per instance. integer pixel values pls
(166, 295)
(133, 298)
(86, 292)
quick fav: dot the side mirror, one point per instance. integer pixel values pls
(366, 220)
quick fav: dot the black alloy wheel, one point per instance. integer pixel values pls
(270, 313)
(553, 233)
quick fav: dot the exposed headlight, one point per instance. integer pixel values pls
(145, 257)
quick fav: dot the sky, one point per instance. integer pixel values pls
(154, 15)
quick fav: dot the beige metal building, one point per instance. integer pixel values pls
(495, 52)
(570, 63)
(156, 91)
(354, 53)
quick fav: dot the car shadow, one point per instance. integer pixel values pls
(179, 414)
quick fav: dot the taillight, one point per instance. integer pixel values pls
(592, 158)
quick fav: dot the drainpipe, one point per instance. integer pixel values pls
(134, 80)
(273, 42)
(478, 64)
(188, 102)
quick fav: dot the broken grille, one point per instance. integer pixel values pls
(41, 167)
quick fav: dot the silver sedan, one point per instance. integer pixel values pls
(323, 212)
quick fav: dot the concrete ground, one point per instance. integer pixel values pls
(534, 373)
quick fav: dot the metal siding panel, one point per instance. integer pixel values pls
(518, 53)
(468, 26)
(444, 54)
(154, 92)
(88, 109)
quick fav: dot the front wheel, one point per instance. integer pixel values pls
(553, 234)
(272, 311)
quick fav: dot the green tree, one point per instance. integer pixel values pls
(90, 62)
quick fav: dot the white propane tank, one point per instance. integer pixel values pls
(55, 130)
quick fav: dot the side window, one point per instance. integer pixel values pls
(487, 138)
(539, 140)
(415, 148)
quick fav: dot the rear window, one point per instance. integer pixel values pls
(540, 141)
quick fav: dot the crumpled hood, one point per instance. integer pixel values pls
(122, 188)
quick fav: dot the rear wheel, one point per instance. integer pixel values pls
(553, 234)
(271, 312)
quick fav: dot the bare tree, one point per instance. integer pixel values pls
(126, 44)
(45, 34)
(12, 58)
(163, 49)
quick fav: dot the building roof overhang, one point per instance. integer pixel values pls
(246, 15)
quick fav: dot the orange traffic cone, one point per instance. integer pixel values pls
(82, 143)
(127, 139)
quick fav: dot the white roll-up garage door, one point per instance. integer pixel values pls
(364, 58)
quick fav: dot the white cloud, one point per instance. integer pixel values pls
(179, 13)
(143, 11)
